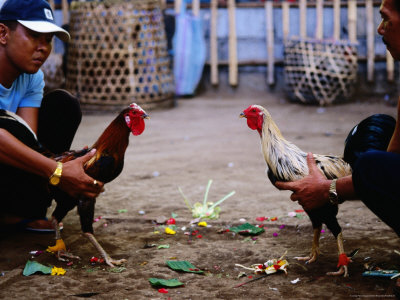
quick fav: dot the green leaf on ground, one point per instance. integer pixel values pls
(184, 266)
(32, 267)
(165, 282)
(247, 229)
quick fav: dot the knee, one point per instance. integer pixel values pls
(368, 162)
(62, 100)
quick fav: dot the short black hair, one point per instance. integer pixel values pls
(12, 24)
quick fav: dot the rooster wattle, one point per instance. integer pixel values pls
(286, 162)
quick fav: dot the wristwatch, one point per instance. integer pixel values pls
(333, 196)
(54, 179)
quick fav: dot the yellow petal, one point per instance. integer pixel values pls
(202, 224)
(58, 246)
(57, 271)
(169, 231)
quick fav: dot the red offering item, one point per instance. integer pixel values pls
(171, 221)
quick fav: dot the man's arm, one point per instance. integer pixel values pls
(394, 145)
(313, 190)
(74, 180)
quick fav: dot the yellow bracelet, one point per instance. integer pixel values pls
(54, 179)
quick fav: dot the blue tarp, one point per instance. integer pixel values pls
(189, 49)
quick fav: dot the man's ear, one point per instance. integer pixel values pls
(4, 32)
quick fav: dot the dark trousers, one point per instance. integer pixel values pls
(27, 195)
(376, 173)
(376, 178)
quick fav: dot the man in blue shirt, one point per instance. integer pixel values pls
(31, 122)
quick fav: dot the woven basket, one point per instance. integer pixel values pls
(320, 71)
(118, 55)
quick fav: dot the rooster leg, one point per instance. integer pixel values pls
(59, 248)
(109, 261)
(314, 249)
(343, 259)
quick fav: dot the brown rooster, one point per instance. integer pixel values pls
(105, 166)
(286, 162)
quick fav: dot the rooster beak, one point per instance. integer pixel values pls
(242, 115)
(146, 116)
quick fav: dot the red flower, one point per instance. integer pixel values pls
(171, 221)
(163, 291)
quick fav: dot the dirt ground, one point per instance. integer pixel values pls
(200, 139)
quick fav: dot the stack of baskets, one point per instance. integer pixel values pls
(118, 55)
(320, 71)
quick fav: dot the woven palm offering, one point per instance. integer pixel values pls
(118, 55)
(320, 71)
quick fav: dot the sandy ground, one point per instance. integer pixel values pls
(201, 139)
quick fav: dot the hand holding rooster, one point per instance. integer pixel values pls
(311, 191)
(76, 182)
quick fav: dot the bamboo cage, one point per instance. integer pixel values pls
(284, 17)
(118, 55)
(318, 71)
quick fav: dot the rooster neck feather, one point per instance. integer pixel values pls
(115, 138)
(287, 162)
(284, 159)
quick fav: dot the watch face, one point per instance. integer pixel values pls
(54, 180)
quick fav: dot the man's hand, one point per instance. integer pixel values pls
(312, 191)
(76, 182)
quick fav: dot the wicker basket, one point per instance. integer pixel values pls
(320, 71)
(118, 55)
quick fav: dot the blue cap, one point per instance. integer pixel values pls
(33, 14)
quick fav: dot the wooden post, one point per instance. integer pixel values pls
(319, 32)
(163, 4)
(233, 64)
(177, 6)
(370, 40)
(51, 2)
(214, 42)
(65, 11)
(285, 19)
(352, 20)
(389, 66)
(303, 18)
(196, 7)
(269, 24)
(336, 20)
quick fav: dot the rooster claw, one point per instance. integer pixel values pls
(342, 270)
(113, 262)
(68, 255)
(309, 259)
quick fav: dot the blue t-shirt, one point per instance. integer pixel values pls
(26, 91)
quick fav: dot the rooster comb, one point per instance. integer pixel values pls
(136, 107)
